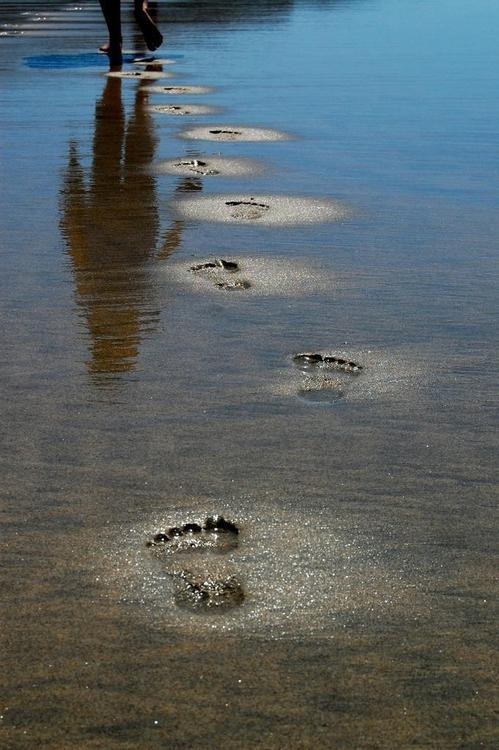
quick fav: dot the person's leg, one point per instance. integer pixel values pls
(111, 10)
(152, 35)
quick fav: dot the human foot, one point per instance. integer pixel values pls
(113, 51)
(106, 46)
(152, 35)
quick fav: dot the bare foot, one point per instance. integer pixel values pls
(152, 35)
(106, 47)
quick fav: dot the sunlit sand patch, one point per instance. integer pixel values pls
(292, 572)
(380, 374)
(272, 276)
(233, 133)
(180, 109)
(179, 90)
(207, 166)
(271, 210)
(140, 75)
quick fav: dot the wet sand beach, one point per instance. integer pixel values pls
(254, 277)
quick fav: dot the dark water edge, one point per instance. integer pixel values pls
(136, 397)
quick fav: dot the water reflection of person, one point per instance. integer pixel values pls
(111, 227)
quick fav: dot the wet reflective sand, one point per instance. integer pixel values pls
(359, 605)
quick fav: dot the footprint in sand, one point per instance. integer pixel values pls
(199, 590)
(141, 75)
(312, 359)
(247, 210)
(266, 210)
(208, 166)
(234, 133)
(180, 110)
(179, 90)
(197, 166)
(228, 133)
(220, 272)
(327, 377)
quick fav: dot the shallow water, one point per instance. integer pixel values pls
(138, 395)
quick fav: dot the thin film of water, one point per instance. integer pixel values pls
(256, 278)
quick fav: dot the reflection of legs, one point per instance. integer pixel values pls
(111, 10)
(152, 35)
(109, 136)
